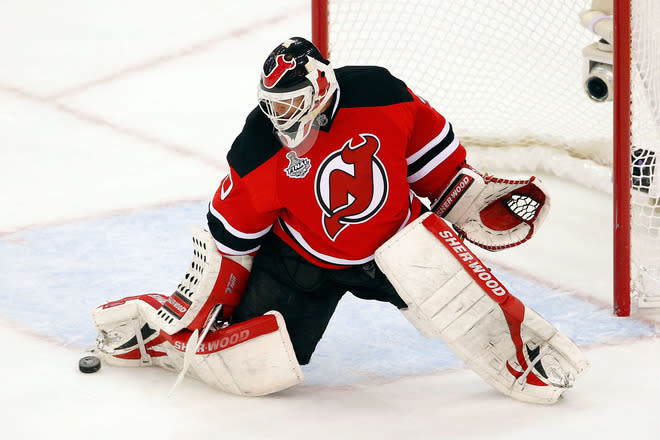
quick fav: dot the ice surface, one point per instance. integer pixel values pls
(115, 119)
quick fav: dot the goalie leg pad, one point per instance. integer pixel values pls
(251, 358)
(453, 296)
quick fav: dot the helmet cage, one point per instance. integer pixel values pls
(284, 109)
(294, 118)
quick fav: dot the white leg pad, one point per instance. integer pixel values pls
(260, 366)
(250, 358)
(453, 296)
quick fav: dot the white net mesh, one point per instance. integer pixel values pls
(505, 73)
(510, 74)
(645, 110)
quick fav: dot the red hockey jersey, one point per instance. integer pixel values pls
(380, 147)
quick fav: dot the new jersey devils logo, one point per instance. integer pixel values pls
(282, 66)
(351, 185)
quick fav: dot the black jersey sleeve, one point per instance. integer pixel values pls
(254, 145)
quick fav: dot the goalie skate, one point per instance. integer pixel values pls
(453, 296)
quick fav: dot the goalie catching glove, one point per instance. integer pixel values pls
(491, 212)
(250, 358)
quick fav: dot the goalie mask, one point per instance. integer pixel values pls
(296, 84)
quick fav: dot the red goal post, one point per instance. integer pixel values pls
(621, 163)
(469, 56)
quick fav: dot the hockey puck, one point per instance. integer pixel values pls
(89, 364)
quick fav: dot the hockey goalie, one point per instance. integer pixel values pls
(326, 195)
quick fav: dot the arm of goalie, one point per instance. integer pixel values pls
(212, 279)
(491, 212)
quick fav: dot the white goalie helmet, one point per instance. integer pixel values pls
(296, 83)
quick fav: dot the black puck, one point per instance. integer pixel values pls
(89, 364)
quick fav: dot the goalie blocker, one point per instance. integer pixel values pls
(453, 296)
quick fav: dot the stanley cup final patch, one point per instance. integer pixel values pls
(298, 168)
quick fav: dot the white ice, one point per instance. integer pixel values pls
(115, 118)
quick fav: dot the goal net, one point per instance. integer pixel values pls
(511, 76)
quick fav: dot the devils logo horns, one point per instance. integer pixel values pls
(282, 66)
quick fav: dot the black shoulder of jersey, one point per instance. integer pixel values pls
(370, 86)
(254, 145)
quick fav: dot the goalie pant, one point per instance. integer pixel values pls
(305, 294)
(251, 358)
(453, 296)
